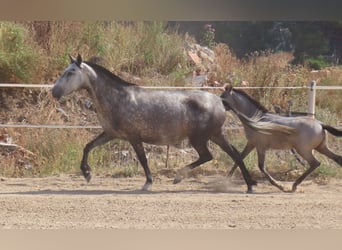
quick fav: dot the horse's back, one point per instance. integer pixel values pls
(307, 131)
(168, 117)
(299, 123)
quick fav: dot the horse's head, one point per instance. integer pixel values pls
(76, 76)
(240, 101)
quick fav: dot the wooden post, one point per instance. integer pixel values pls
(167, 156)
(312, 99)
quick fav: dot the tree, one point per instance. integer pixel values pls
(309, 41)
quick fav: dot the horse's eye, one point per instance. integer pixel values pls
(70, 73)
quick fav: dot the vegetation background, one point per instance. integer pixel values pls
(264, 54)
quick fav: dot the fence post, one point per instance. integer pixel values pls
(312, 98)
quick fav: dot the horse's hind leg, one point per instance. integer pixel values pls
(313, 162)
(99, 140)
(261, 164)
(234, 154)
(244, 153)
(204, 155)
(139, 150)
(323, 149)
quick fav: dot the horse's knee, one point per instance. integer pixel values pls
(339, 160)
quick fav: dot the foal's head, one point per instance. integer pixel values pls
(76, 76)
(227, 98)
(238, 100)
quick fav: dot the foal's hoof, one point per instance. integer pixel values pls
(177, 179)
(180, 174)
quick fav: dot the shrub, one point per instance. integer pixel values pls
(18, 54)
(144, 47)
(317, 63)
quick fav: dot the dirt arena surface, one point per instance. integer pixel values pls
(67, 202)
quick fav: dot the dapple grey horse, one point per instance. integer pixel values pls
(302, 133)
(137, 115)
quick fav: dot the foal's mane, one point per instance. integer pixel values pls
(253, 101)
(109, 74)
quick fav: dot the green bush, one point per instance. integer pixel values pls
(143, 47)
(317, 63)
(18, 55)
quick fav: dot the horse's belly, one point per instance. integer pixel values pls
(271, 141)
(164, 137)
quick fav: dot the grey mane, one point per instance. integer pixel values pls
(253, 101)
(110, 75)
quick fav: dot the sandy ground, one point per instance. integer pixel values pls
(66, 202)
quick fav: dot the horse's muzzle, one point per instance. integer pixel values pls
(56, 92)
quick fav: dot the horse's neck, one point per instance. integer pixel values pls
(105, 94)
(245, 106)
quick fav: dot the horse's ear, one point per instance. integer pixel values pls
(78, 60)
(72, 59)
(228, 87)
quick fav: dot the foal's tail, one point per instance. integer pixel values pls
(332, 130)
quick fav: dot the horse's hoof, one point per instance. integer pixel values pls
(177, 180)
(87, 176)
(249, 191)
(180, 174)
(147, 187)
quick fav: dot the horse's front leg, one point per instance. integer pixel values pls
(99, 140)
(200, 145)
(139, 150)
(261, 164)
(248, 148)
(234, 154)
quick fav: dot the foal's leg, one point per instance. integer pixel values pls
(234, 154)
(248, 148)
(204, 155)
(99, 140)
(139, 150)
(323, 149)
(313, 162)
(261, 164)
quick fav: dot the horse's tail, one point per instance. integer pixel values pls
(264, 127)
(332, 130)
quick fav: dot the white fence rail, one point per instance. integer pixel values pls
(311, 87)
